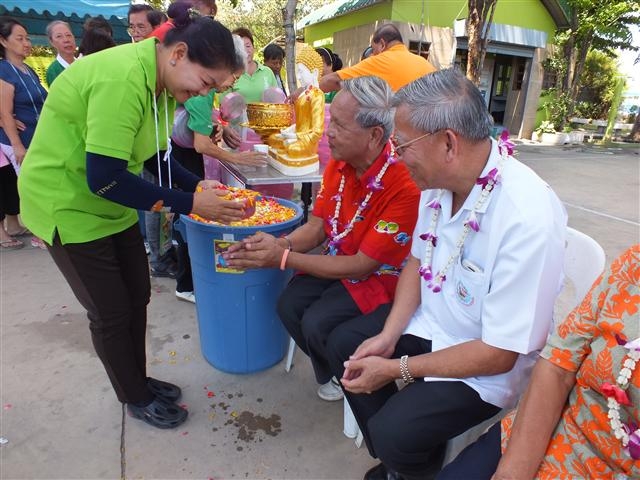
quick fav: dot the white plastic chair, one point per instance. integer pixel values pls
(292, 350)
(584, 261)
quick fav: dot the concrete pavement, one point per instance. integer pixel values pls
(62, 420)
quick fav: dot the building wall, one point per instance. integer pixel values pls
(442, 13)
(349, 34)
(521, 13)
(322, 34)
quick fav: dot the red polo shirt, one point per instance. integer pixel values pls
(384, 230)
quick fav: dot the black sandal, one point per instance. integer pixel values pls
(159, 413)
(166, 390)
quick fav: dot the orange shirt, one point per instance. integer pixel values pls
(384, 229)
(396, 65)
(583, 444)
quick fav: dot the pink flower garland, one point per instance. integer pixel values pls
(373, 185)
(628, 433)
(488, 183)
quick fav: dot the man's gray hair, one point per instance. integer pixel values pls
(51, 25)
(374, 97)
(446, 99)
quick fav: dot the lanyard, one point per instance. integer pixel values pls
(167, 155)
(33, 103)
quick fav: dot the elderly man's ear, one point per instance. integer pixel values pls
(375, 135)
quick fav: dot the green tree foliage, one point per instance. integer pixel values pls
(598, 84)
(157, 4)
(595, 24)
(264, 18)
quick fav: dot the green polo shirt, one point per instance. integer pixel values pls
(53, 71)
(252, 86)
(200, 109)
(103, 104)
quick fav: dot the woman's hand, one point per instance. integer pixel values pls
(216, 135)
(209, 184)
(257, 251)
(231, 137)
(210, 205)
(20, 126)
(295, 94)
(256, 159)
(19, 153)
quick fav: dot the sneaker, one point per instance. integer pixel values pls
(186, 296)
(331, 391)
(164, 269)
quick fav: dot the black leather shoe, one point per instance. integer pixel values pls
(380, 472)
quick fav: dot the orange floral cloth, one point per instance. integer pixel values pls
(583, 444)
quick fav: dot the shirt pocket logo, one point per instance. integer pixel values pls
(463, 294)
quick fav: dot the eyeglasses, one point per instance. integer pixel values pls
(400, 149)
(140, 27)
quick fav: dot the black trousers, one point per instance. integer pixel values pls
(478, 461)
(192, 161)
(311, 308)
(9, 199)
(407, 429)
(110, 278)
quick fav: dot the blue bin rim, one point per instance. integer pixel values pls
(252, 229)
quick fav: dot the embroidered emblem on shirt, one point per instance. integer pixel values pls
(402, 238)
(386, 269)
(386, 227)
(464, 296)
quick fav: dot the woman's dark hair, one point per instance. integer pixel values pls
(209, 42)
(156, 18)
(330, 58)
(244, 33)
(94, 41)
(273, 51)
(98, 23)
(6, 28)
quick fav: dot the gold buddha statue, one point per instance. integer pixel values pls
(295, 148)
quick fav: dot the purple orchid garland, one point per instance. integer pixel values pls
(472, 223)
(373, 185)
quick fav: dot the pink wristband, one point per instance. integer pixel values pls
(283, 262)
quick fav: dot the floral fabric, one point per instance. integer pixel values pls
(583, 444)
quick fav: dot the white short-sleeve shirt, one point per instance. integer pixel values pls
(517, 255)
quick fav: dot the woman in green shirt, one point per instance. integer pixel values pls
(105, 119)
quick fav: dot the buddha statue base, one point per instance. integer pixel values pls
(291, 166)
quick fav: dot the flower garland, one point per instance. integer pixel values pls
(488, 182)
(374, 184)
(628, 433)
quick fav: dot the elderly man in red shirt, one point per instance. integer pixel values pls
(364, 215)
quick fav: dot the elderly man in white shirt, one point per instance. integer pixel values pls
(474, 302)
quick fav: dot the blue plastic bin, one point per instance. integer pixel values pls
(240, 331)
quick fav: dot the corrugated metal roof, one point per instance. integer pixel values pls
(36, 15)
(335, 9)
(67, 8)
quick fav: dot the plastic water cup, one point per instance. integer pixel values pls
(262, 148)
